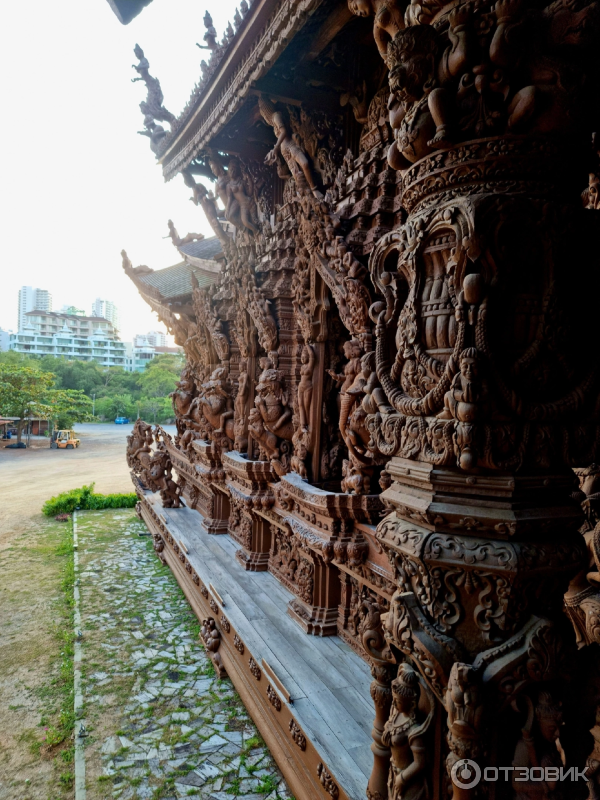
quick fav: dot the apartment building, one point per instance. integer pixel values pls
(32, 299)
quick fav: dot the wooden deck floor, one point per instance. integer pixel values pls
(327, 681)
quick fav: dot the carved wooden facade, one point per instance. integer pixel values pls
(391, 373)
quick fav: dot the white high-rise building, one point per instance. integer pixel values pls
(157, 338)
(32, 299)
(108, 310)
(152, 338)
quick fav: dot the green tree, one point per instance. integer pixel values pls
(26, 391)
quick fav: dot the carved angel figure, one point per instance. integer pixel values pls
(294, 156)
(404, 733)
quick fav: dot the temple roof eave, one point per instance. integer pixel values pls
(267, 29)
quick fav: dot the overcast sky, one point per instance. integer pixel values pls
(78, 183)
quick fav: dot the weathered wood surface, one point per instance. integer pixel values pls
(328, 683)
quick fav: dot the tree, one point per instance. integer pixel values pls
(27, 392)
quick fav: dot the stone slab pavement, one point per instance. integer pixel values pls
(159, 722)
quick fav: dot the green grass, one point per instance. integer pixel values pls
(86, 499)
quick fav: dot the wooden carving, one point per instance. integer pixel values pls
(392, 378)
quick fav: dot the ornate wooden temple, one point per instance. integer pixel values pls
(379, 501)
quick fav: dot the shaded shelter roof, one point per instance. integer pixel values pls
(176, 281)
(126, 10)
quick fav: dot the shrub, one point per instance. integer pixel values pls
(86, 499)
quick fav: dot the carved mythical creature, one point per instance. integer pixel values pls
(389, 19)
(404, 734)
(214, 401)
(184, 394)
(539, 746)
(294, 156)
(411, 58)
(203, 197)
(152, 107)
(178, 240)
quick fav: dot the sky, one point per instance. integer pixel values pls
(78, 183)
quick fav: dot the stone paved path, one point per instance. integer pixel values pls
(160, 724)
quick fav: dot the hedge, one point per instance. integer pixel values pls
(86, 499)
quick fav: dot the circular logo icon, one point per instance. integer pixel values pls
(466, 774)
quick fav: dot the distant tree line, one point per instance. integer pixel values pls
(75, 391)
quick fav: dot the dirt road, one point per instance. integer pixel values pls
(32, 563)
(29, 477)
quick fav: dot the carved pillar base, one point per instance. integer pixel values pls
(312, 619)
(257, 558)
(481, 563)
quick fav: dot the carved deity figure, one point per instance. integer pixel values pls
(404, 733)
(389, 19)
(294, 156)
(460, 404)
(305, 386)
(539, 746)
(178, 240)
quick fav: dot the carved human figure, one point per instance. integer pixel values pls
(593, 761)
(240, 203)
(294, 156)
(539, 746)
(305, 386)
(389, 19)
(465, 709)
(239, 407)
(178, 240)
(404, 734)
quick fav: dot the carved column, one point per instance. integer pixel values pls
(484, 355)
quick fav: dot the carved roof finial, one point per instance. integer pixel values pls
(152, 107)
(210, 37)
(244, 7)
(237, 20)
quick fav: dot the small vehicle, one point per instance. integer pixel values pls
(122, 421)
(64, 440)
(15, 446)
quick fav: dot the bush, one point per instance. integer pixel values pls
(86, 499)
